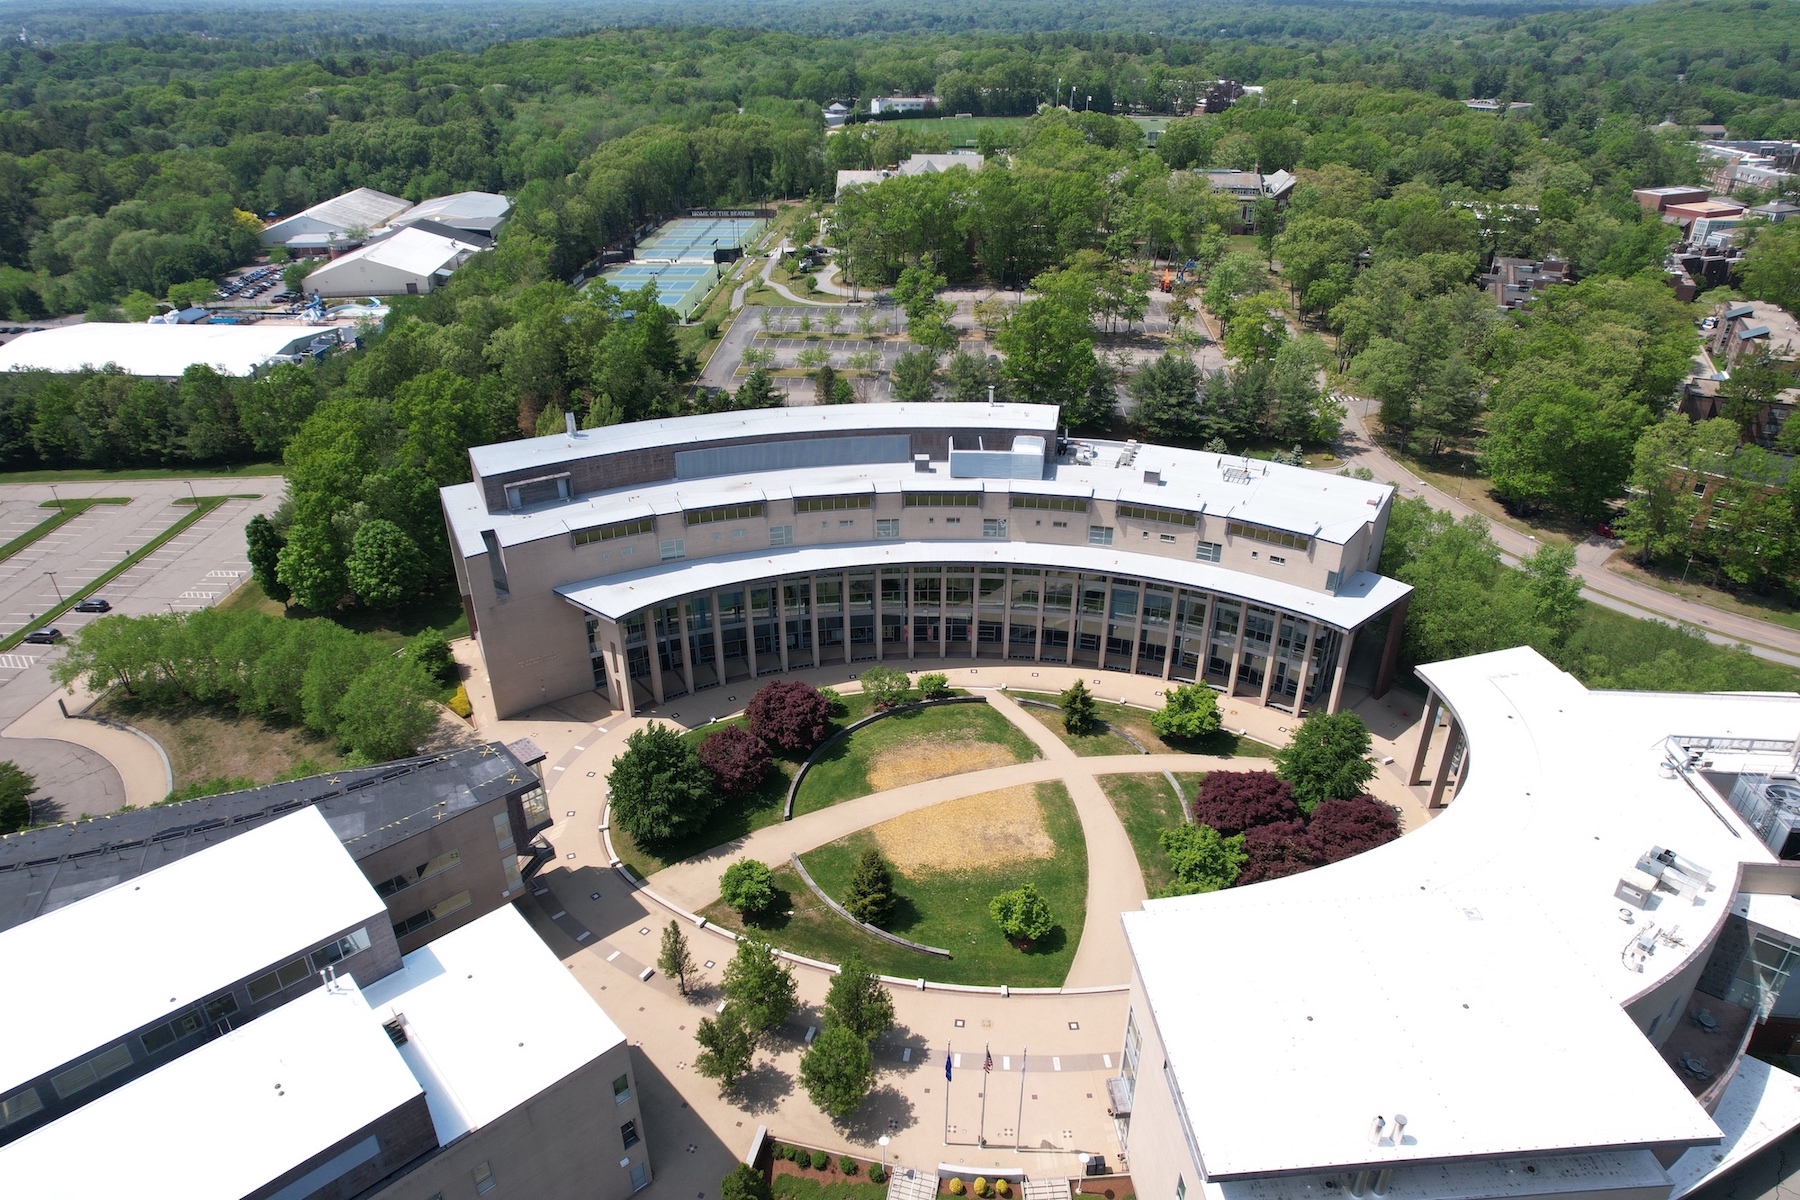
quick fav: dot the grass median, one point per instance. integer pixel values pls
(1136, 722)
(1146, 806)
(911, 747)
(202, 506)
(68, 511)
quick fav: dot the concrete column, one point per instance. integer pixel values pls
(1345, 645)
(844, 611)
(812, 608)
(1390, 653)
(1269, 660)
(1212, 600)
(912, 600)
(944, 611)
(1237, 649)
(1426, 728)
(718, 619)
(687, 659)
(621, 673)
(750, 630)
(1441, 778)
(776, 600)
(1312, 650)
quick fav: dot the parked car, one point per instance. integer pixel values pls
(94, 605)
(44, 637)
(1710, 323)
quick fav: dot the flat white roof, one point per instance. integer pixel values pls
(136, 953)
(154, 350)
(492, 1019)
(1332, 508)
(1760, 1104)
(1503, 904)
(485, 208)
(772, 423)
(228, 1118)
(413, 251)
(1362, 596)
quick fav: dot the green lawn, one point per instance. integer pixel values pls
(1147, 805)
(1136, 722)
(441, 610)
(795, 1187)
(842, 772)
(947, 909)
(85, 475)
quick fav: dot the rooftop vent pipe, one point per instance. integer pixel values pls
(1375, 1128)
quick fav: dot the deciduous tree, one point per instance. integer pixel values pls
(657, 787)
(1328, 759)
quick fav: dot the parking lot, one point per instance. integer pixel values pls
(197, 568)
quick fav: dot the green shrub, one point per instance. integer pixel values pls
(981, 1185)
(877, 1174)
(957, 1188)
(459, 703)
(1022, 914)
(934, 685)
(747, 886)
(431, 650)
(820, 1160)
(847, 1165)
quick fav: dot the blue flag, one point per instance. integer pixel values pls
(946, 1066)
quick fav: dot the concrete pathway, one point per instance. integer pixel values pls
(782, 289)
(121, 766)
(608, 934)
(1765, 638)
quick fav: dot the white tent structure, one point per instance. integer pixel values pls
(157, 351)
(363, 209)
(410, 262)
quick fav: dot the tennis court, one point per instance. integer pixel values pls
(681, 286)
(693, 239)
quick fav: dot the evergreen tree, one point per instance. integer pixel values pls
(871, 898)
(1077, 708)
(262, 544)
(16, 787)
(675, 961)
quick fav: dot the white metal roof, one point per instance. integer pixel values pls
(154, 350)
(480, 210)
(364, 208)
(492, 1019)
(1294, 1011)
(221, 1122)
(503, 457)
(1362, 596)
(155, 945)
(412, 251)
(1760, 1104)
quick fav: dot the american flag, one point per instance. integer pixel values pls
(989, 1064)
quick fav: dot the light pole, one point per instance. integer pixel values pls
(57, 586)
(883, 1141)
(54, 498)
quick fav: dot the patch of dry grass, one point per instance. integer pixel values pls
(935, 758)
(968, 834)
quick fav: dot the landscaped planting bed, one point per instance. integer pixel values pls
(1147, 805)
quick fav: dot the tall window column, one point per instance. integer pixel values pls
(812, 607)
(1441, 778)
(844, 608)
(1172, 650)
(1269, 659)
(718, 620)
(656, 682)
(1312, 649)
(1006, 594)
(778, 605)
(750, 630)
(1137, 628)
(1237, 650)
(912, 609)
(1037, 647)
(944, 611)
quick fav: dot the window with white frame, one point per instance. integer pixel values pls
(1209, 551)
(992, 527)
(781, 535)
(1100, 535)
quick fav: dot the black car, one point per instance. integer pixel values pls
(43, 637)
(94, 605)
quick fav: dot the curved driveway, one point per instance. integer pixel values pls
(1764, 638)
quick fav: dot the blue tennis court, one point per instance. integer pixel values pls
(680, 286)
(696, 238)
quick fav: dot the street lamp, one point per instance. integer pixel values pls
(57, 586)
(884, 1140)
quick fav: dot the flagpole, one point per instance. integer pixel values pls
(987, 1078)
(946, 1093)
(1018, 1134)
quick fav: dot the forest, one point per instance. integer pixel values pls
(134, 165)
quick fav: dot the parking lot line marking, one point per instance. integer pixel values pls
(16, 662)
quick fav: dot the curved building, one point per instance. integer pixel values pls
(1549, 990)
(649, 560)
